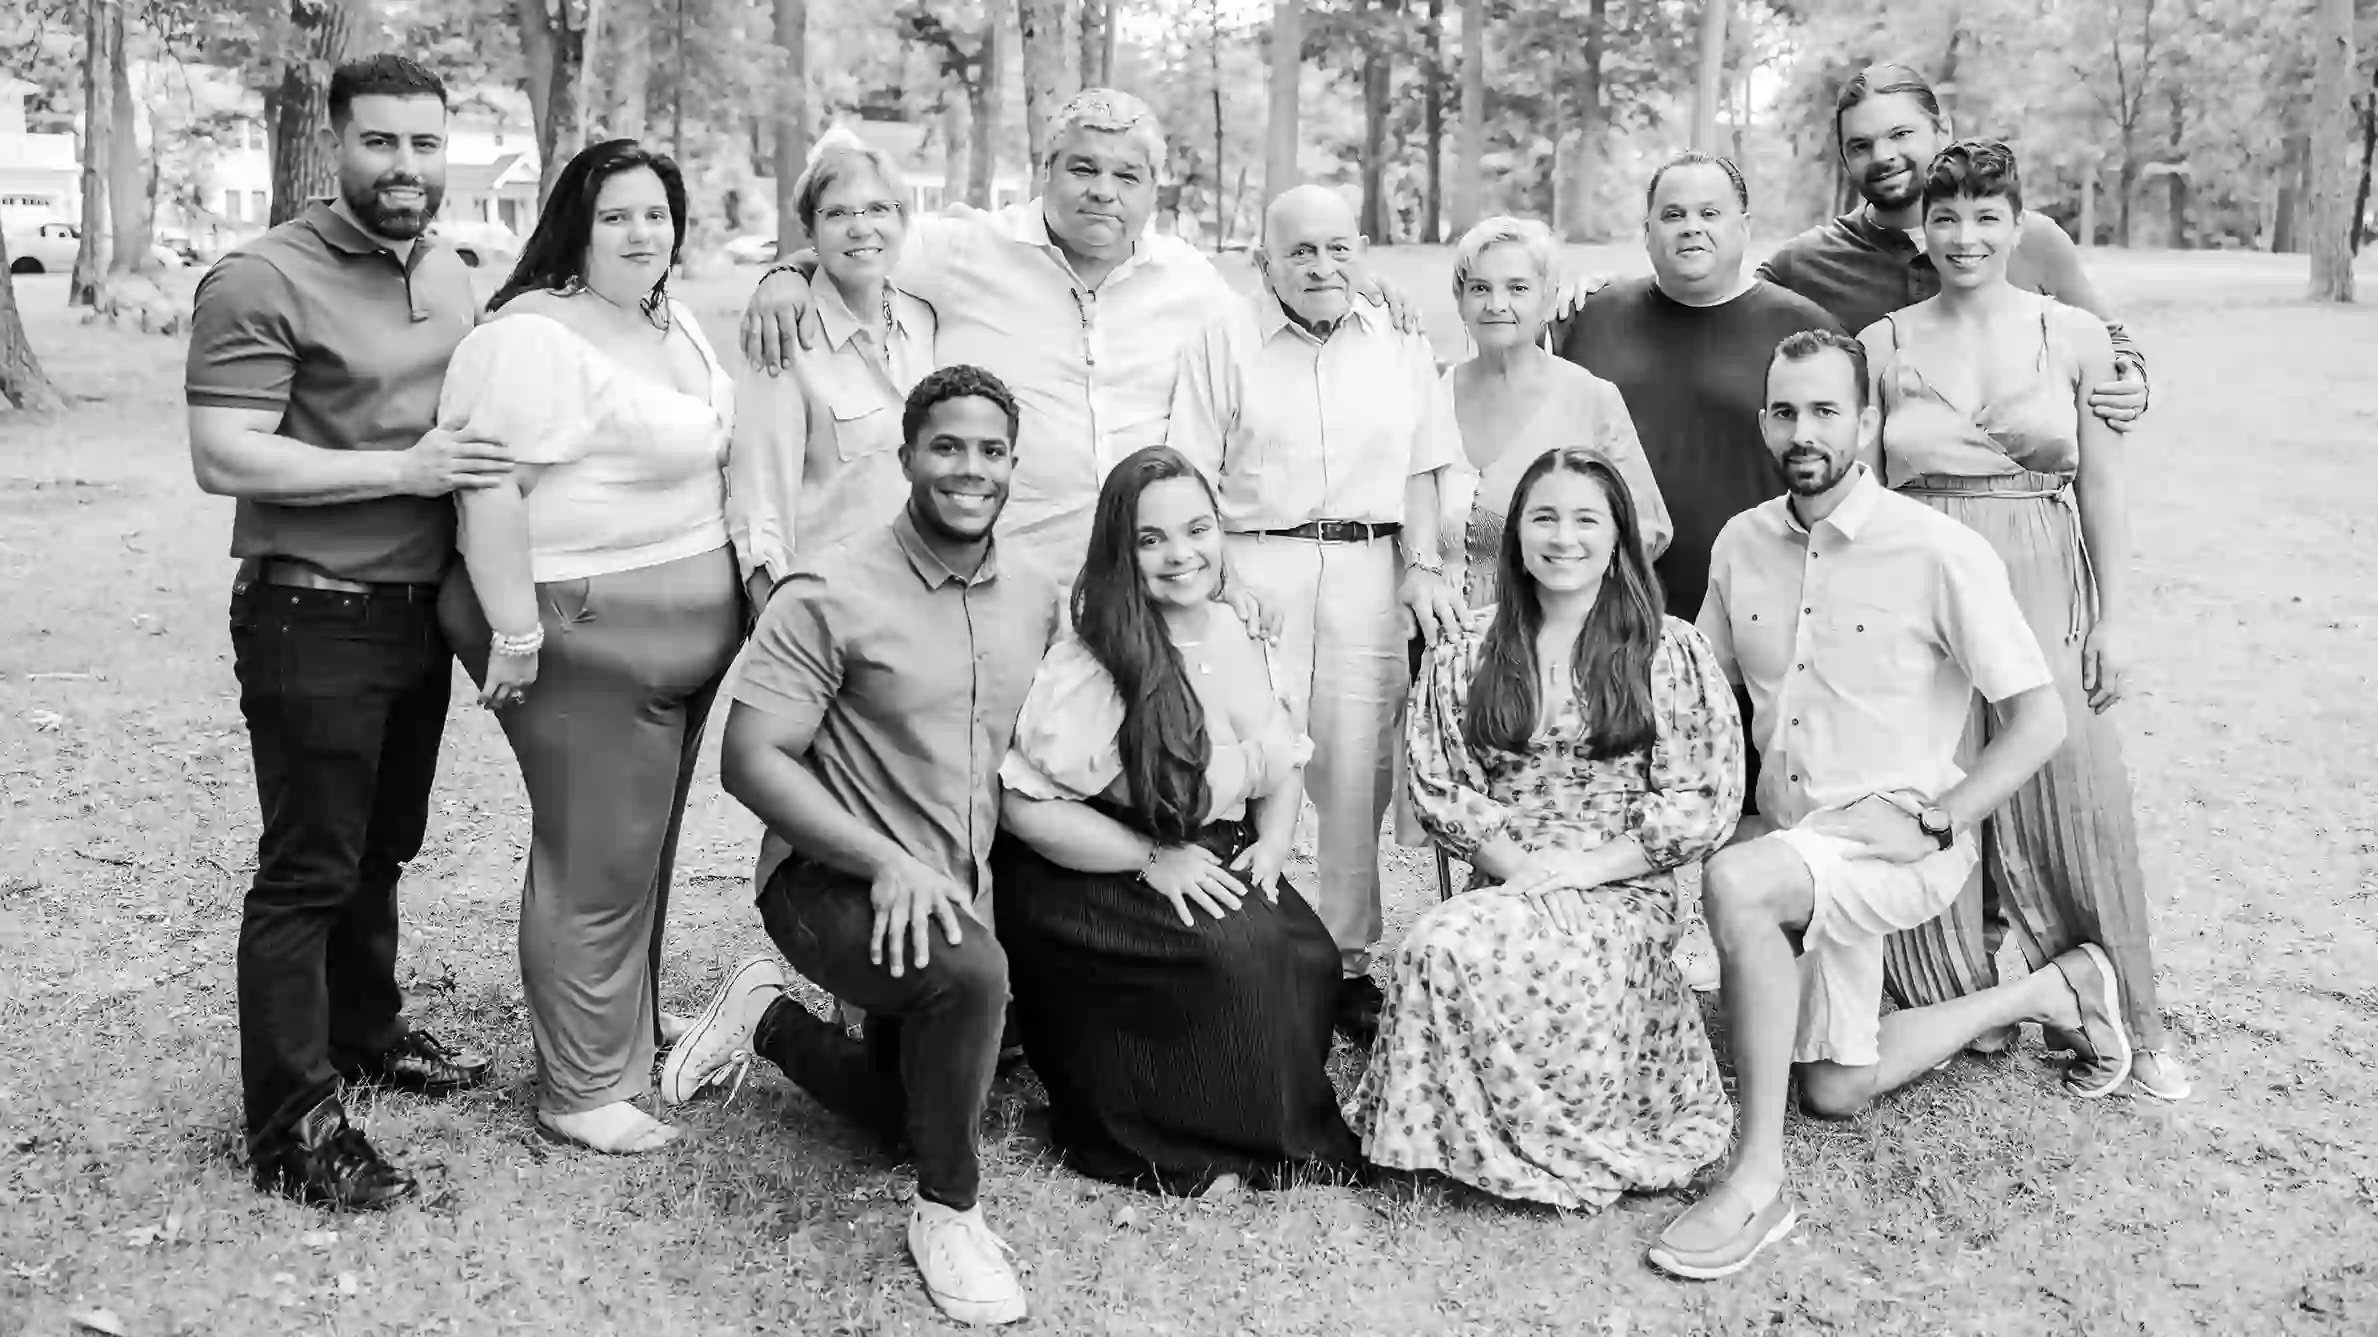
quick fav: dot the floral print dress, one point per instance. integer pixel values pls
(1561, 1068)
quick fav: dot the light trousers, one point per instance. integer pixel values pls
(1341, 667)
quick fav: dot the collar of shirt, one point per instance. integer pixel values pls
(1271, 317)
(1848, 517)
(928, 564)
(839, 322)
(1907, 244)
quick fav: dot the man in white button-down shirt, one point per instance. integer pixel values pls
(1068, 298)
(1326, 430)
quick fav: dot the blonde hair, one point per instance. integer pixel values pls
(1503, 230)
(836, 155)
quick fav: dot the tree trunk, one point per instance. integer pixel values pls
(1098, 43)
(1280, 130)
(1469, 148)
(1577, 156)
(1432, 205)
(1040, 26)
(957, 132)
(629, 35)
(1711, 87)
(2175, 181)
(1377, 222)
(103, 24)
(982, 110)
(131, 176)
(2287, 219)
(2369, 151)
(322, 37)
(2332, 154)
(553, 47)
(792, 118)
(22, 382)
(2126, 182)
(1214, 80)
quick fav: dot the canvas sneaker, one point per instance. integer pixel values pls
(716, 1048)
(964, 1265)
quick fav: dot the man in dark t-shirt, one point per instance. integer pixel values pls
(1689, 348)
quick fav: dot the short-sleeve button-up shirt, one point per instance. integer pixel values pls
(906, 677)
(1862, 641)
(1295, 428)
(320, 322)
(1092, 368)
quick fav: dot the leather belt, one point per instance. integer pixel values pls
(1337, 531)
(297, 575)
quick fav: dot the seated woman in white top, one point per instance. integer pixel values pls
(1174, 1002)
(816, 454)
(605, 574)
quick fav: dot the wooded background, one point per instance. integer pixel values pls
(2180, 123)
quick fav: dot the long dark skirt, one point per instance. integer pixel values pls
(1173, 1055)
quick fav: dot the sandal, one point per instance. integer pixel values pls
(1685, 1251)
(2155, 1074)
(638, 1138)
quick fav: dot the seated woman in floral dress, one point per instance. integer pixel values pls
(1174, 1003)
(1538, 1042)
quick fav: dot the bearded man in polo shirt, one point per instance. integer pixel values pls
(316, 357)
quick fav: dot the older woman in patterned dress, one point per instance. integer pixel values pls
(1538, 1042)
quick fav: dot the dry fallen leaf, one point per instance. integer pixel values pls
(318, 1239)
(98, 1320)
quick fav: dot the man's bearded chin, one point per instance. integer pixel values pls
(394, 224)
(1904, 197)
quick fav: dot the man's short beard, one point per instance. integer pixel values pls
(1823, 485)
(394, 224)
(1914, 192)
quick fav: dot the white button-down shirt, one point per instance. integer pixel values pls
(1295, 428)
(1092, 368)
(1862, 642)
(816, 455)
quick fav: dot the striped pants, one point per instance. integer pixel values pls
(2060, 861)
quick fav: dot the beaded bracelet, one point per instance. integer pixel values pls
(1150, 866)
(517, 647)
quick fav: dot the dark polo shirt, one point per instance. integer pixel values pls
(906, 678)
(1861, 271)
(318, 322)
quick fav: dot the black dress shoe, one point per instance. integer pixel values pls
(324, 1161)
(1359, 1004)
(421, 1062)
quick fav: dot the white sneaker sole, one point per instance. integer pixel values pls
(679, 1082)
(2109, 1000)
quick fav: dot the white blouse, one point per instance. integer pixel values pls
(1065, 741)
(637, 468)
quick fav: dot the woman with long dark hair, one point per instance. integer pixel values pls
(1176, 1005)
(1538, 1042)
(1985, 393)
(597, 607)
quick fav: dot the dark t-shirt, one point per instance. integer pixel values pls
(322, 324)
(1694, 378)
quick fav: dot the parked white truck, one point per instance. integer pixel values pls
(47, 249)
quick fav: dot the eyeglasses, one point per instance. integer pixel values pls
(882, 211)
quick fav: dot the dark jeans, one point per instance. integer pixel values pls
(345, 698)
(932, 1034)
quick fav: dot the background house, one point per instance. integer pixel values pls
(40, 175)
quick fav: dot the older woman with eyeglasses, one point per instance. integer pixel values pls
(816, 450)
(1515, 400)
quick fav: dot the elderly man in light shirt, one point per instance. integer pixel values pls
(1068, 298)
(1326, 430)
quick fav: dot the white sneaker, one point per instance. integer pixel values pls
(1696, 957)
(716, 1047)
(964, 1264)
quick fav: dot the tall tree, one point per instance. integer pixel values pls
(1711, 88)
(22, 382)
(1098, 43)
(973, 66)
(131, 175)
(1048, 82)
(103, 27)
(1214, 83)
(792, 117)
(1432, 206)
(554, 45)
(2332, 154)
(1578, 154)
(1378, 216)
(322, 35)
(627, 31)
(2368, 107)
(1469, 148)
(1286, 75)
(2130, 33)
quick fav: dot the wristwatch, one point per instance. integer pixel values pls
(1931, 818)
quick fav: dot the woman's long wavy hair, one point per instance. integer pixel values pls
(1611, 665)
(554, 257)
(1163, 739)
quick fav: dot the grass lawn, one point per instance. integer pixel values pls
(1980, 1202)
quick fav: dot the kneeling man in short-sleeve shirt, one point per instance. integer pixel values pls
(1862, 624)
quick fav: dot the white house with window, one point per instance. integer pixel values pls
(40, 175)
